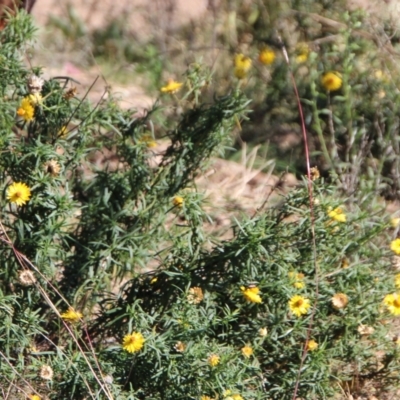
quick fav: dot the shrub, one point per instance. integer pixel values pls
(112, 288)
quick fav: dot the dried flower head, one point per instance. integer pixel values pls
(133, 342)
(299, 305)
(71, 315)
(26, 278)
(247, 351)
(339, 301)
(263, 332)
(52, 167)
(312, 345)
(180, 347)
(365, 330)
(171, 86)
(195, 295)
(26, 110)
(314, 172)
(395, 246)
(70, 93)
(345, 263)
(213, 360)
(251, 294)
(396, 262)
(46, 372)
(35, 84)
(331, 81)
(18, 193)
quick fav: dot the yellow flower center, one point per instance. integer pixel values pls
(396, 302)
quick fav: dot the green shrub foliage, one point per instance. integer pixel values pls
(111, 288)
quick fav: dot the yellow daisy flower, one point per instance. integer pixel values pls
(392, 302)
(299, 305)
(395, 222)
(34, 397)
(26, 109)
(171, 86)
(18, 193)
(312, 345)
(178, 201)
(247, 351)
(251, 294)
(337, 214)
(213, 360)
(267, 56)
(242, 65)
(395, 246)
(133, 342)
(71, 315)
(331, 81)
(302, 51)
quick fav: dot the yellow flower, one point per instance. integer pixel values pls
(298, 277)
(242, 65)
(251, 294)
(247, 351)
(237, 397)
(395, 246)
(213, 360)
(26, 109)
(302, 51)
(267, 56)
(395, 222)
(337, 214)
(35, 99)
(133, 342)
(178, 201)
(312, 345)
(71, 315)
(34, 397)
(299, 285)
(171, 86)
(299, 305)
(52, 167)
(62, 133)
(148, 140)
(331, 81)
(18, 193)
(392, 302)
(339, 300)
